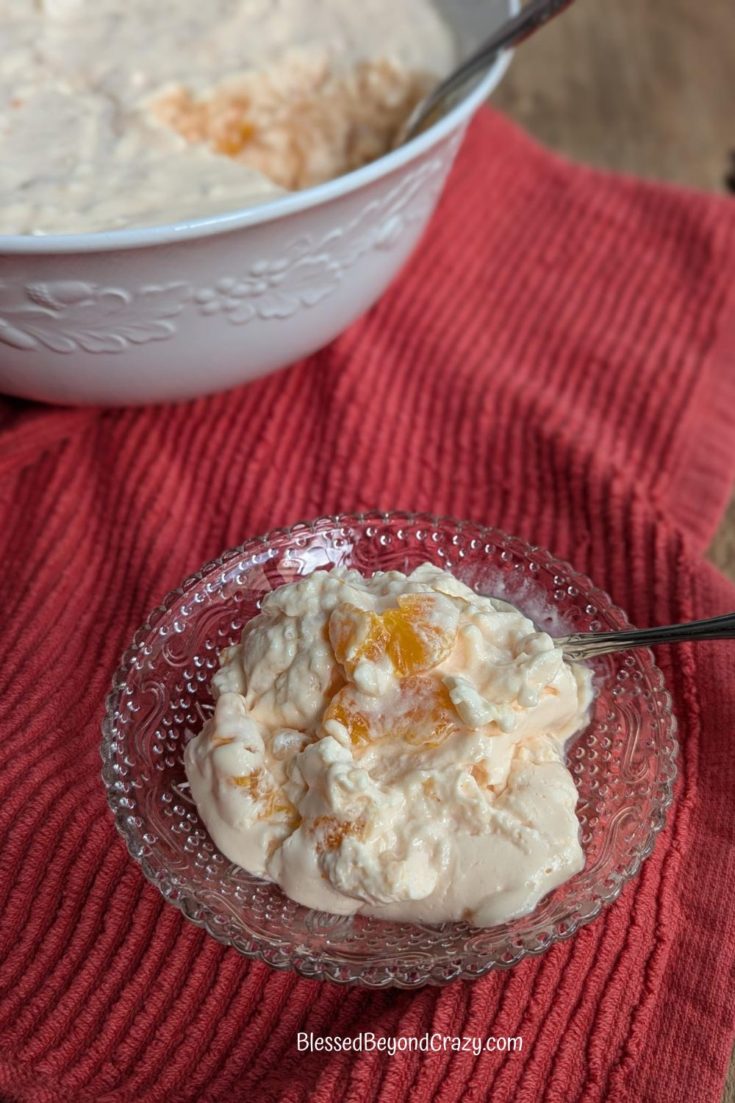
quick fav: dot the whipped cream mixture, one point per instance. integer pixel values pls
(132, 112)
(393, 746)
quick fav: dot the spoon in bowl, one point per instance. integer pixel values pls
(453, 88)
(588, 645)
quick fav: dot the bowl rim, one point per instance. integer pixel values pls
(381, 976)
(292, 203)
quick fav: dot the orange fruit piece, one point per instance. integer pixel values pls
(426, 715)
(332, 832)
(420, 712)
(356, 634)
(362, 726)
(416, 635)
(262, 792)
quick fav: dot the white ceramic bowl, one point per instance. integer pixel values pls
(170, 312)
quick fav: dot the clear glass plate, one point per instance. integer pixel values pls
(623, 763)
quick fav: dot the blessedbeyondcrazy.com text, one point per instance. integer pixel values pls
(367, 1042)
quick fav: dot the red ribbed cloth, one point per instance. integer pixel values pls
(557, 360)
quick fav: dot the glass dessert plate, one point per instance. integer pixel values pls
(623, 763)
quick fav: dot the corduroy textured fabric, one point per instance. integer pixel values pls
(557, 360)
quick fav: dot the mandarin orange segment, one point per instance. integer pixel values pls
(234, 138)
(332, 832)
(420, 636)
(261, 791)
(344, 708)
(420, 712)
(356, 634)
(415, 636)
(426, 715)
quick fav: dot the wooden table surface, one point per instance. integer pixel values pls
(640, 86)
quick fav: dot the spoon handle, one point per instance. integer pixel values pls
(511, 33)
(586, 645)
(530, 19)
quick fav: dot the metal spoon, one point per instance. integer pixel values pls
(453, 88)
(587, 645)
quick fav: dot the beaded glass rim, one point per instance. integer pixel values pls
(479, 950)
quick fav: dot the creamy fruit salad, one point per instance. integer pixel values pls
(121, 113)
(394, 747)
